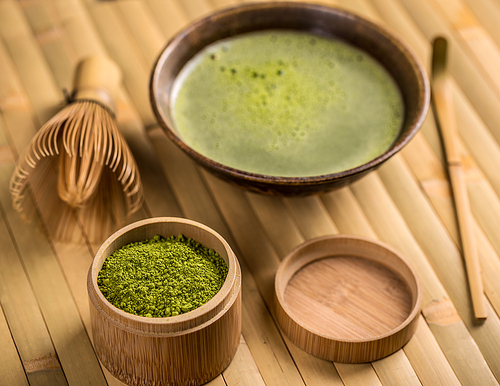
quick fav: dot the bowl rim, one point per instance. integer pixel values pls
(402, 140)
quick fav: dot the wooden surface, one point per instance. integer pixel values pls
(347, 299)
(44, 318)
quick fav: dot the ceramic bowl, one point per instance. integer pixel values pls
(392, 53)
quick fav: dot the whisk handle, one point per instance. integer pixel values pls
(97, 78)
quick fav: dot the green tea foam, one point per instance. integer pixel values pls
(286, 103)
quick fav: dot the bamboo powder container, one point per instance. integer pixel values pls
(187, 349)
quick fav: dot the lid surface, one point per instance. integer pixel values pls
(347, 299)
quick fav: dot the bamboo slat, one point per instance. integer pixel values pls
(169, 16)
(429, 363)
(396, 370)
(148, 35)
(309, 214)
(20, 309)
(474, 37)
(74, 18)
(277, 223)
(464, 67)
(37, 80)
(195, 9)
(362, 8)
(481, 145)
(353, 375)
(486, 210)
(187, 190)
(242, 370)
(13, 104)
(314, 371)
(49, 36)
(122, 48)
(265, 342)
(346, 212)
(488, 13)
(11, 370)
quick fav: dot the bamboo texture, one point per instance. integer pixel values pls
(41, 41)
(11, 369)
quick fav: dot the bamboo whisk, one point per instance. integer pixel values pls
(80, 155)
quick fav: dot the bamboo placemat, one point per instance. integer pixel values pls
(407, 203)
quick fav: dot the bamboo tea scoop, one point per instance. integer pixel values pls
(442, 98)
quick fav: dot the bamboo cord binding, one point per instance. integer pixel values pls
(98, 182)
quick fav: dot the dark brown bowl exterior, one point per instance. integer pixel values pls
(318, 19)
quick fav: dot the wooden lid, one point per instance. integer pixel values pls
(347, 299)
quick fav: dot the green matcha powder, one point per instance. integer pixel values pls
(162, 277)
(286, 103)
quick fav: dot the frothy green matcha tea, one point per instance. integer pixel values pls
(286, 103)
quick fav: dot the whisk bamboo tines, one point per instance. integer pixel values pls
(97, 176)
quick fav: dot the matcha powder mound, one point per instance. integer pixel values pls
(161, 277)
